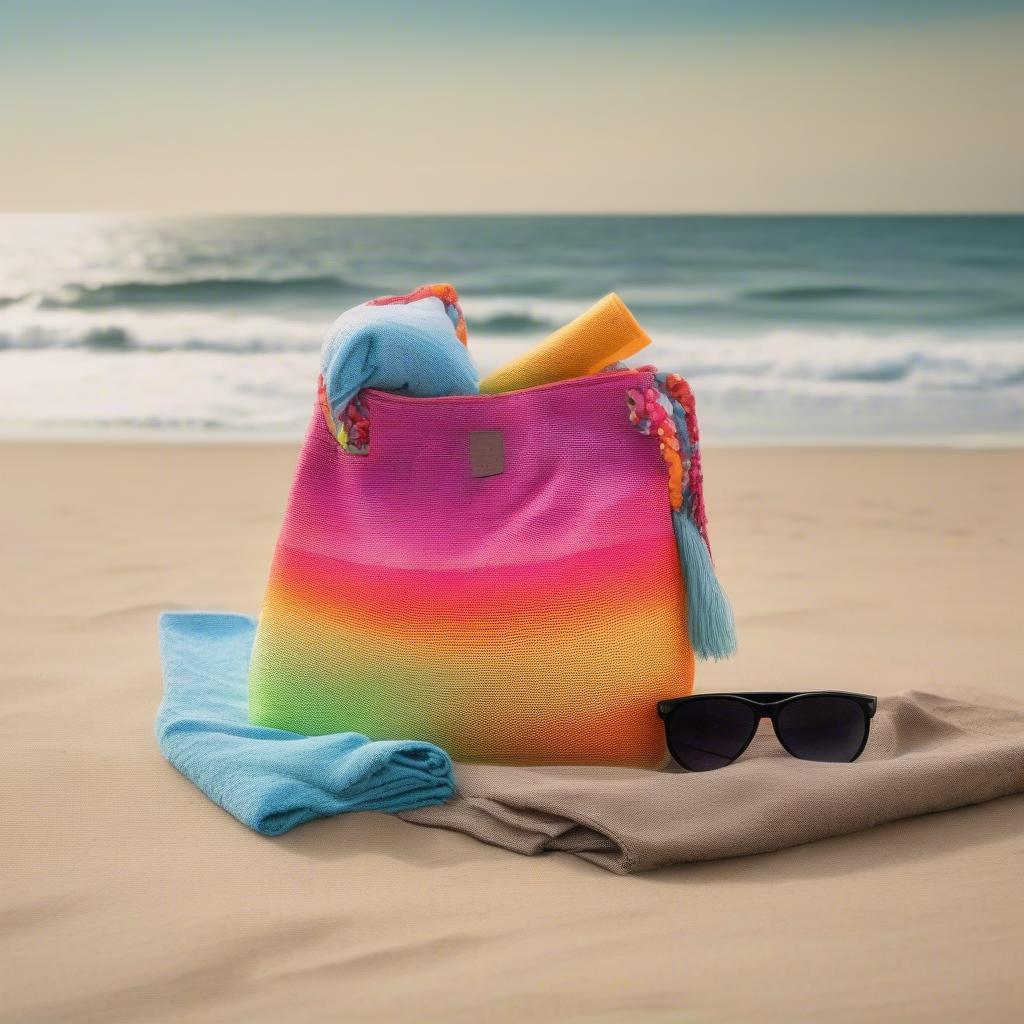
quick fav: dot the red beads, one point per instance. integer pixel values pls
(649, 416)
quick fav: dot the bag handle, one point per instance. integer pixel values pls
(710, 619)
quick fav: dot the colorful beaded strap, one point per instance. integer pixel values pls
(351, 429)
(710, 619)
(678, 439)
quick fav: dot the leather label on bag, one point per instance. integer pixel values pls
(486, 452)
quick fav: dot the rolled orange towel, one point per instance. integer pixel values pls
(604, 334)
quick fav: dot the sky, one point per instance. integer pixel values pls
(427, 106)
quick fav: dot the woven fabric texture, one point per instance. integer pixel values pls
(533, 616)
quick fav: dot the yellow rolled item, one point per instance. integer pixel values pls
(604, 334)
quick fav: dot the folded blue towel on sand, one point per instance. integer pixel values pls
(269, 779)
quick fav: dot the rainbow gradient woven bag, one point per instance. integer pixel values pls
(496, 574)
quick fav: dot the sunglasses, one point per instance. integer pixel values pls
(711, 730)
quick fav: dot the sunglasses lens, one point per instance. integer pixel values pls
(706, 734)
(822, 728)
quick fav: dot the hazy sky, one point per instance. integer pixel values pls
(682, 105)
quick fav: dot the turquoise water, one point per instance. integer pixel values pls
(796, 328)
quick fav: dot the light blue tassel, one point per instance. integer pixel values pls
(712, 630)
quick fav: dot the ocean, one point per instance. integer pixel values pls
(790, 329)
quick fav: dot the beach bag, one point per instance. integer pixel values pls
(501, 575)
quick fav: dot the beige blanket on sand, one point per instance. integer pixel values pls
(925, 753)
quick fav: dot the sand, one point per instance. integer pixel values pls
(128, 896)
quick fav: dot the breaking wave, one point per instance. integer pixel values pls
(198, 291)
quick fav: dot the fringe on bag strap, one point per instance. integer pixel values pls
(710, 619)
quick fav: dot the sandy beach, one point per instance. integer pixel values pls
(128, 896)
